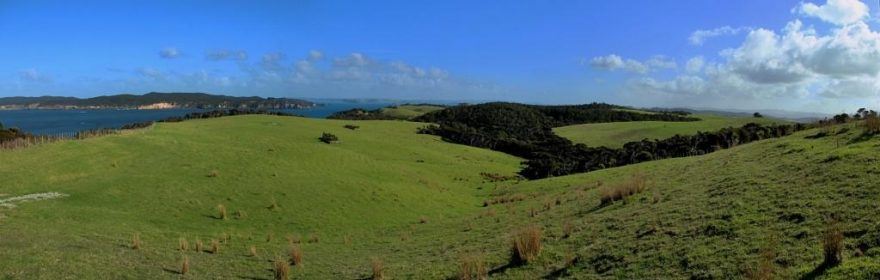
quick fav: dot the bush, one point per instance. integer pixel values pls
(352, 127)
(328, 138)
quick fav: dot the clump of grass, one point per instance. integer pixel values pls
(635, 184)
(378, 268)
(525, 246)
(215, 246)
(269, 237)
(832, 244)
(184, 267)
(346, 239)
(136, 241)
(567, 229)
(423, 220)
(533, 213)
(183, 245)
(273, 205)
(765, 267)
(473, 268)
(490, 212)
(548, 205)
(314, 238)
(199, 245)
(294, 239)
(240, 214)
(214, 174)
(253, 251)
(221, 212)
(296, 256)
(505, 199)
(281, 269)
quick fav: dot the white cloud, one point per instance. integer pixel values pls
(695, 65)
(840, 12)
(226, 55)
(169, 53)
(614, 62)
(315, 55)
(661, 62)
(699, 37)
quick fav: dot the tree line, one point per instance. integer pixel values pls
(526, 131)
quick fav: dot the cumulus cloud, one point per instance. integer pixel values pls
(694, 65)
(219, 55)
(840, 12)
(32, 75)
(699, 37)
(169, 53)
(614, 62)
(315, 55)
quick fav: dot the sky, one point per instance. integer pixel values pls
(815, 55)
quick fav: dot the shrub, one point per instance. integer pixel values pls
(525, 246)
(352, 127)
(296, 256)
(872, 123)
(215, 246)
(184, 267)
(281, 269)
(328, 138)
(221, 212)
(473, 268)
(136, 241)
(832, 244)
(378, 269)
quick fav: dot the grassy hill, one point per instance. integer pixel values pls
(422, 207)
(409, 111)
(618, 133)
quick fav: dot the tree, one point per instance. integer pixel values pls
(1, 126)
(757, 115)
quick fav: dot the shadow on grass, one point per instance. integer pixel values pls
(818, 271)
(172, 271)
(865, 136)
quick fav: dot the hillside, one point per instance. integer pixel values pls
(151, 101)
(394, 112)
(616, 134)
(422, 206)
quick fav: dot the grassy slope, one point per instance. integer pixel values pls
(618, 133)
(410, 111)
(715, 213)
(378, 179)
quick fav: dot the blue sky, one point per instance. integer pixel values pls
(810, 56)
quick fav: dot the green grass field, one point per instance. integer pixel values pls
(706, 217)
(618, 133)
(410, 111)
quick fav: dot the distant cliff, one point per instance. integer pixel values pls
(154, 100)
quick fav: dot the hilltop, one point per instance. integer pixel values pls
(153, 100)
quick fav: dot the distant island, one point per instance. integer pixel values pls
(153, 100)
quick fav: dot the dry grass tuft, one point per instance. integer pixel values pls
(183, 245)
(240, 214)
(294, 239)
(314, 238)
(269, 237)
(296, 256)
(423, 220)
(635, 184)
(199, 245)
(832, 244)
(505, 199)
(378, 268)
(567, 229)
(136, 241)
(184, 267)
(281, 269)
(526, 245)
(872, 124)
(346, 239)
(215, 246)
(273, 204)
(473, 268)
(221, 212)
(214, 174)
(765, 266)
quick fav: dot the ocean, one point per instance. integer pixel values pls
(54, 122)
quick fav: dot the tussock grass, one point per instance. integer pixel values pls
(504, 199)
(635, 184)
(832, 244)
(294, 239)
(215, 246)
(253, 251)
(221, 212)
(473, 268)
(314, 238)
(184, 266)
(423, 220)
(183, 245)
(199, 246)
(567, 229)
(296, 256)
(136, 241)
(525, 245)
(281, 269)
(213, 174)
(269, 237)
(378, 267)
